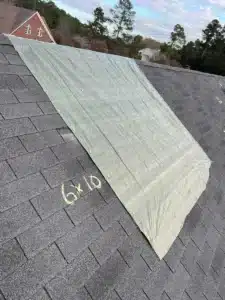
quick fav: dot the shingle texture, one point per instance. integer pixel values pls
(63, 238)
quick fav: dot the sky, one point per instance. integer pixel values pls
(156, 18)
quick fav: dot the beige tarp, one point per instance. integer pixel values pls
(153, 164)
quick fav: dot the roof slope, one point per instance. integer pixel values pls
(12, 16)
(92, 250)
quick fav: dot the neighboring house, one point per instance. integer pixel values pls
(24, 23)
(148, 54)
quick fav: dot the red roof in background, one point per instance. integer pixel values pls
(12, 16)
(14, 20)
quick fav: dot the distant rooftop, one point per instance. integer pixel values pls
(24, 23)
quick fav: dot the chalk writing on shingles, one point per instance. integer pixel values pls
(92, 182)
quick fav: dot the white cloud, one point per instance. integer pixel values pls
(192, 21)
(220, 3)
(82, 15)
(152, 29)
(171, 12)
(81, 6)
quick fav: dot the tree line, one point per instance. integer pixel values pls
(206, 54)
(116, 31)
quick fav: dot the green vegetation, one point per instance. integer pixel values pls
(123, 17)
(64, 27)
(98, 27)
(206, 55)
(115, 31)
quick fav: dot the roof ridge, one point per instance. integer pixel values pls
(167, 67)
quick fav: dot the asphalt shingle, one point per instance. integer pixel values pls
(166, 297)
(213, 237)
(21, 190)
(20, 110)
(7, 49)
(46, 232)
(109, 214)
(205, 260)
(29, 277)
(156, 285)
(131, 293)
(32, 162)
(3, 59)
(31, 83)
(79, 238)
(196, 282)
(14, 69)
(177, 283)
(88, 181)
(40, 140)
(106, 277)
(68, 150)
(11, 147)
(210, 287)
(221, 289)
(67, 134)
(47, 108)
(128, 223)
(11, 81)
(16, 127)
(48, 122)
(50, 201)
(190, 256)
(16, 220)
(131, 249)
(138, 275)
(150, 257)
(86, 161)
(199, 235)
(92, 249)
(113, 295)
(14, 59)
(11, 257)
(62, 172)
(107, 243)
(85, 206)
(6, 173)
(66, 283)
(32, 95)
(106, 192)
(190, 224)
(40, 295)
(217, 297)
(218, 261)
(174, 255)
(7, 97)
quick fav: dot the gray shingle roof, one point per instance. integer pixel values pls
(92, 250)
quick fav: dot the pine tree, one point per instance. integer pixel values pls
(178, 38)
(97, 26)
(123, 17)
